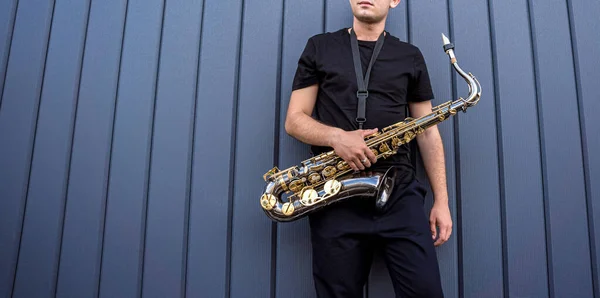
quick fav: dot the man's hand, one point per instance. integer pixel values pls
(440, 217)
(351, 147)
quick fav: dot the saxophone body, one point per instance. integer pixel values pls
(324, 179)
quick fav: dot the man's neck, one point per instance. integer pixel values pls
(368, 32)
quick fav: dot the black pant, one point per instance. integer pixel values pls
(346, 234)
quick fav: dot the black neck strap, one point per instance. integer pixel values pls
(363, 83)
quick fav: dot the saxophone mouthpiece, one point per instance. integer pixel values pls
(445, 39)
(449, 48)
(447, 44)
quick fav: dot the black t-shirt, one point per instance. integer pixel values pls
(399, 75)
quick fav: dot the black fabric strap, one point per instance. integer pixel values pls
(363, 83)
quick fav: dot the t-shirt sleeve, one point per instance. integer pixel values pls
(420, 85)
(306, 72)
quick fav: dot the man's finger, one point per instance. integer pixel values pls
(444, 235)
(440, 240)
(358, 163)
(370, 155)
(433, 229)
(369, 132)
(358, 166)
(365, 161)
(352, 165)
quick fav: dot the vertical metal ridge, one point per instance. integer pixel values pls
(70, 159)
(414, 150)
(408, 27)
(110, 155)
(33, 139)
(500, 148)
(458, 183)
(12, 32)
(534, 51)
(276, 149)
(232, 149)
(324, 15)
(149, 163)
(584, 150)
(191, 158)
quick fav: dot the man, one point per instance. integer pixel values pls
(346, 234)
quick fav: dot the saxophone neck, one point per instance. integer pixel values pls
(472, 82)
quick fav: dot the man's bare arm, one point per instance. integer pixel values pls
(432, 152)
(349, 145)
(300, 124)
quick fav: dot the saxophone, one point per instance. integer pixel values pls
(326, 178)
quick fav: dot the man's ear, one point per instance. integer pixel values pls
(394, 3)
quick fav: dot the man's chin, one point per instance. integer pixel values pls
(368, 19)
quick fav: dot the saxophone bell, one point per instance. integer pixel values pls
(278, 207)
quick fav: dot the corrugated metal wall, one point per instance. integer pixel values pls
(134, 135)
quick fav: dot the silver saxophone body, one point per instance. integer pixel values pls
(325, 179)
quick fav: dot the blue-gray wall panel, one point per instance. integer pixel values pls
(131, 142)
(338, 15)
(428, 20)
(8, 11)
(18, 117)
(84, 214)
(165, 257)
(557, 99)
(518, 125)
(585, 28)
(478, 155)
(122, 251)
(251, 253)
(302, 19)
(397, 21)
(209, 242)
(40, 243)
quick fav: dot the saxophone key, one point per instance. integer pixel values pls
(332, 187)
(342, 165)
(282, 183)
(267, 176)
(296, 185)
(314, 178)
(329, 171)
(396, 142)
(287, 209)
(383, 148)
(268, 201)
(316, 168)
(309, 196)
